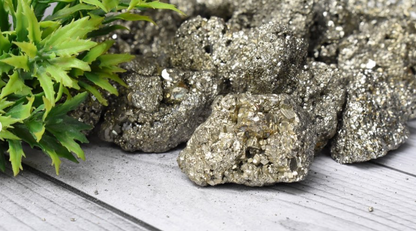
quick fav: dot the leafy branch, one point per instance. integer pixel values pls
(42, 60)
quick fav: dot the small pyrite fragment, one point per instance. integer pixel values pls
(253, 140)
(158, 112)
(373, 121)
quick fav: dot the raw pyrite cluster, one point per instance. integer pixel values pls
(257, 88)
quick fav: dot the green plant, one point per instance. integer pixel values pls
(42, 58)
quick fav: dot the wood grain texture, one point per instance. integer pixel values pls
(28, 202)
(334, 197)
(403, 159)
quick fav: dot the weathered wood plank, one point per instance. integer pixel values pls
(152, 188)
(28, 202)
(403, 159)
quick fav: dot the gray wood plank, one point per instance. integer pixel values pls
(152, 188)
(403, 159)
(28, 202)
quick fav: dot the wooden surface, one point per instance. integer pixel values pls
(117, 190)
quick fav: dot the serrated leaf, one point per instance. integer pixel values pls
(159, 5)
(55, 159)
(4, 43)
(61, 76)
(48, 106)
(36, 126)
(17, 62)
(21, 111)
(109, 60)
(110, 4)
(28, 48)
(15, 85)
(67, 63)
(5, 104)
(16, 153)
(48, 27)
(95, 92)
(96, 3)
(47, 85)
(101, 82)
(132, 4)
(69, 105)
(128, 17)
(68, 142)
(111, 76)
(68, 11)
(98, 50)
(33, 28)
(106, 30)
(73, 47)
(76, 29)
(21, 23)
(7, 135)
(49, 142)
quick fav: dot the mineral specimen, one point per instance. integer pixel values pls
(373, 121)
(249, 139)
(295, 14)
(194, 41)
(259, 60)
(159, 110)
(320, 89)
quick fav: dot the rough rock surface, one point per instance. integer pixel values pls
(373, 120)
(249, 139)
(295, 14)
(259, 60)
(159, 110)
(320, 89)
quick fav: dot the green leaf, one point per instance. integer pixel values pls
(66, 63)
(111, 76)
(48, 27)
(28, 48)
(16, 153)
(21, 23)
(98, 50)
(114, 59)
(61, 76)
(33, 27)
(17, 62)
(128, 17)
(73, 47)
(95, 92)
(36, 127)
(101, 82)
(68, 11)
(159, 5)
(96, 3)
(46, 84)
(106, 30)
(110, 4)
(132, 4)
(49, 142)
(76, 29)
(4, 43)
(20, 111)
(68, 140)
(69, 105)
(15, 85)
